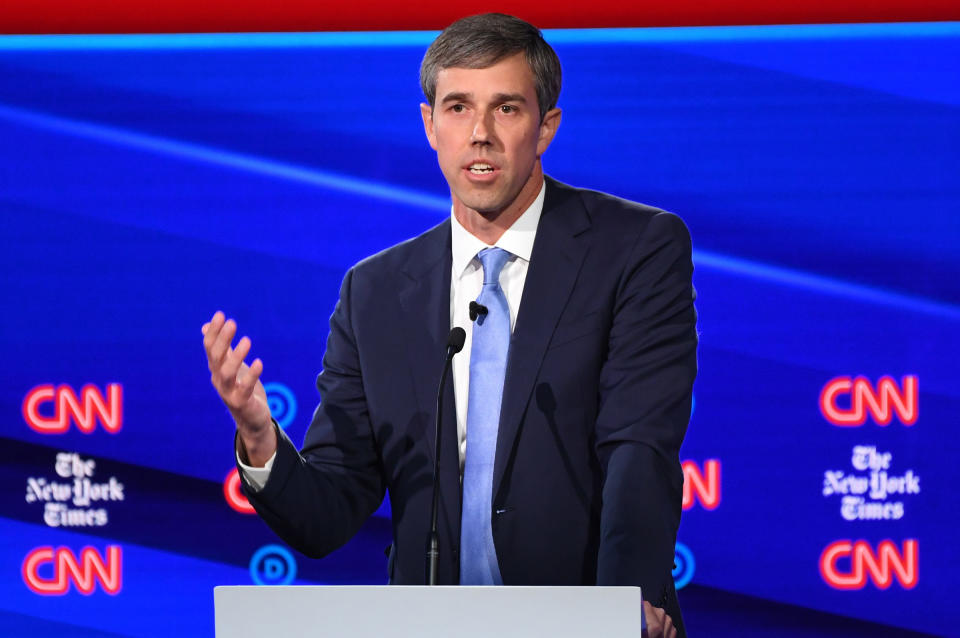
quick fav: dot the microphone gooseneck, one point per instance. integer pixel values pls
(455, 341)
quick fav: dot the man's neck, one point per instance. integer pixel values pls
(488, 227)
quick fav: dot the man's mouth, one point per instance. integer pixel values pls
(480, 168)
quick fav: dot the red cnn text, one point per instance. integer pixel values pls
(848, 564)
(703, 486)
(879, 403)
(50, 410)
(49, 572)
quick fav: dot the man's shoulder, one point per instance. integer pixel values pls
(411, 255)
(610, 212)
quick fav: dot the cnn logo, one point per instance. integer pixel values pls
(234, 495)
(849, 565)
(50, 410)
(862, 399)
(61, 567)
(702, 485)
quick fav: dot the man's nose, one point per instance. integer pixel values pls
(481, 129)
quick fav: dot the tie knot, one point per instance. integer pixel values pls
(493, 260)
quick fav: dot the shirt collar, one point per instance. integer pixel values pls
(517, 240)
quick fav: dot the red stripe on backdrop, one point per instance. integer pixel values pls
(193, 16)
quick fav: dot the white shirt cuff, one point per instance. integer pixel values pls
(256, 476)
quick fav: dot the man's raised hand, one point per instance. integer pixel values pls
(239, 387)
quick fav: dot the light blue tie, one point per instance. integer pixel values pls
(488, 363)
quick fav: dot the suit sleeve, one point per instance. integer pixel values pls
(646, 385)
(318, 498)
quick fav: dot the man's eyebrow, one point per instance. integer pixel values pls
(499, 98)
(510, 97)
(456, 97)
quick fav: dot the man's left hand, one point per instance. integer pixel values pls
(659, 624)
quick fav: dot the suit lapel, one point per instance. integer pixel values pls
(558, 253)
(425, 302)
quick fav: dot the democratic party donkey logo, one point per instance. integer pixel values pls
(50, 409)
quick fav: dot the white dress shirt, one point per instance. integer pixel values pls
(466, 280)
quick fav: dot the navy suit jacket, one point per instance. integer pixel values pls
(587, 480)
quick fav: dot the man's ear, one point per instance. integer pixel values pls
(426, 112)
(548, 128)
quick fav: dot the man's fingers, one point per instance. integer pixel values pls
(249, 375)
(256, 369)
(234, 358)
(221, 346)
(656, 626)
(247, 380)
(211, 330)
(234, 381)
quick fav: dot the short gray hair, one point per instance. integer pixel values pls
(480, 41)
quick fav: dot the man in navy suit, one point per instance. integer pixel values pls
(596, 389)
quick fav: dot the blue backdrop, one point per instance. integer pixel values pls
(146, 181)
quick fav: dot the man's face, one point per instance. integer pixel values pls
(485, 126)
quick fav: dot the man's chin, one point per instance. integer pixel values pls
(488, 207)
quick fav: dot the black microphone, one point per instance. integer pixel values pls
(476, 310)
(455, 341)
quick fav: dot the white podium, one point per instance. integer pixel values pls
(402, 611)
